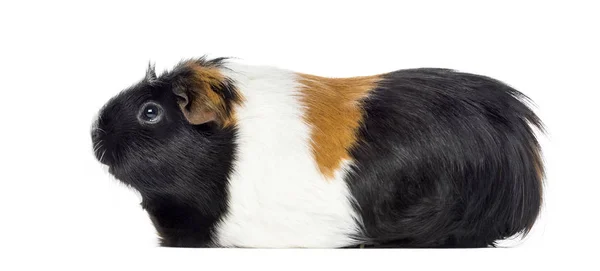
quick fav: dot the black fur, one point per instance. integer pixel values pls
(446, 159)
(180, 169)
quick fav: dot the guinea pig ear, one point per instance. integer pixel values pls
(195, 109)
(203, 93)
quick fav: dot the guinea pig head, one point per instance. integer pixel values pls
(168, 133)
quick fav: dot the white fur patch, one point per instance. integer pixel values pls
(277, 195)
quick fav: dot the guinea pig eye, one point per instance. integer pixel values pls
(150, 113)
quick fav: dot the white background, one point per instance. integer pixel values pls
(60, 61)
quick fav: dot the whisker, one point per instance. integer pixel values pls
(98, 146)
(102, 156)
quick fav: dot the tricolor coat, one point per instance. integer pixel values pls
(231, 155)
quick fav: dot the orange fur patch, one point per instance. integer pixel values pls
(334, 112)
(208, 102)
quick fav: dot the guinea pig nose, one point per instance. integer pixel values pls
(96, 134)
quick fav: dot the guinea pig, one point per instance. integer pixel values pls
(232, 155)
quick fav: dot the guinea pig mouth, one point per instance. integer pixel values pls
(99, 146)
(100, 153)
